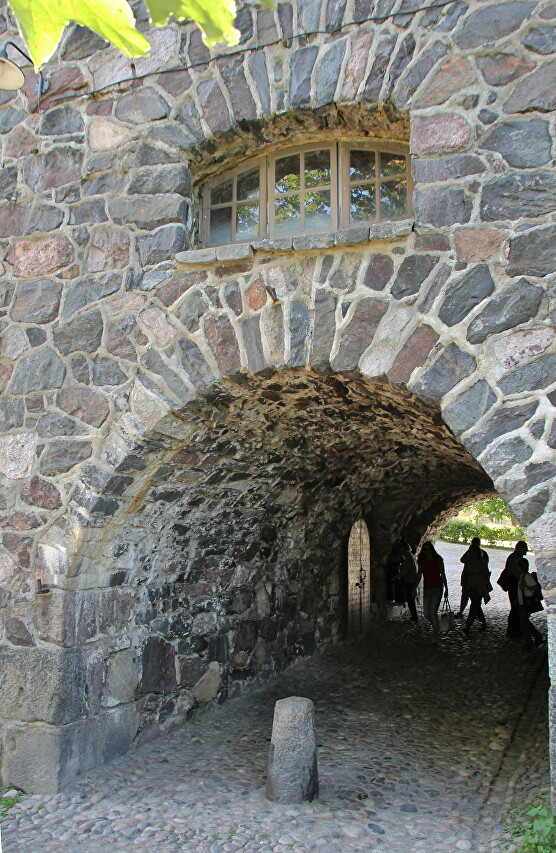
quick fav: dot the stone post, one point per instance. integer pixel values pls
(292, 761)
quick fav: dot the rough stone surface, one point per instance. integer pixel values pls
(503, 420)
(40, 371)
(463, 295)
(522, 143)
(536, 92)
(514, 196)
(451, 366)
(518, 685)
(475, 244)
(41, 256)
(439, 134)
(208, 685)
(532, 253)
(538, 374)
(292, 762)
(42, 685)
(36, 302)
(469, 407)
(516, 305)
(359, 333)
(414, 353)
(482, 26)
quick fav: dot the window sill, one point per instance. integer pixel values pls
(302, 242)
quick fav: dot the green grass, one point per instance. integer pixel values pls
(7, 803)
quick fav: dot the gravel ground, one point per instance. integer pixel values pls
(422, 747)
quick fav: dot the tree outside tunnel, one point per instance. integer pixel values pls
(189, 434)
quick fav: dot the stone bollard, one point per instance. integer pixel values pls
(292, 761)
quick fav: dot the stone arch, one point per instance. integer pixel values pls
(116, 345)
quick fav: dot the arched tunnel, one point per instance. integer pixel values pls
(226, 559)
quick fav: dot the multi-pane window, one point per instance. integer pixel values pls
(307, 189)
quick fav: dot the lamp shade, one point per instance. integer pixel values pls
(11, 75)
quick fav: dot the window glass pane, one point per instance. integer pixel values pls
(248, 184)
(391, 164)
(317, 168)
(221, 193)
(317, 210)
(287, 174)
(361, 165)
(247, 221)
(220, 225)
(393, 199)
(286, 214)
(362, 203)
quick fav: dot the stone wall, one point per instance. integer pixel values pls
(187, 435)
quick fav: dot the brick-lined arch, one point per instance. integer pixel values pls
(114, 356)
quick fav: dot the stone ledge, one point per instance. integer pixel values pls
(302, 242)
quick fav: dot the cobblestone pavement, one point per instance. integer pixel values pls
(423, 747)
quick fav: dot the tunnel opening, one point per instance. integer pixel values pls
(226, 554)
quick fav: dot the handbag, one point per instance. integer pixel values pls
(446, 620)
(532, 603)
(504, 580)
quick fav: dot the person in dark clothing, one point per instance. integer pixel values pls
(527, 587)
(476, 582)
(408, 578)
(431, 568)
(508, 580)
(464, 592)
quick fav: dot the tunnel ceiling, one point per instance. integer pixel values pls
(293, 449)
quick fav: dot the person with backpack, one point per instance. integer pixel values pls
(529, 596)
(508, 580)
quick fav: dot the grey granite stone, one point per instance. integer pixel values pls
(234, 252)
(532, 253)
(82, 334)
(530, 377)
(503, 420)
(302, 64)
(292, 775)
(463, 295)
(522, 143)
(299, 328)
(250, 328)
(516, 305)
(411, 275)
(541, 40)
(450, 367)
(498, 460)
(328, 72)
(324, 329)
(517, 195)
(482, 25)
(61, 120)
(38, 372)
(42, 684)
(469, 407)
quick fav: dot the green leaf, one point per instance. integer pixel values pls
(215, 17)
(42, 24)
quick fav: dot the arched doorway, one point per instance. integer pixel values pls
(359, 578)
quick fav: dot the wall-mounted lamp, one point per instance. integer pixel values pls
(11, 75)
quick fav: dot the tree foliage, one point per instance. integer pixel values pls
(42, 23)
(494, 509)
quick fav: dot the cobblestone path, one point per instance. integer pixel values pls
(423, 747)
